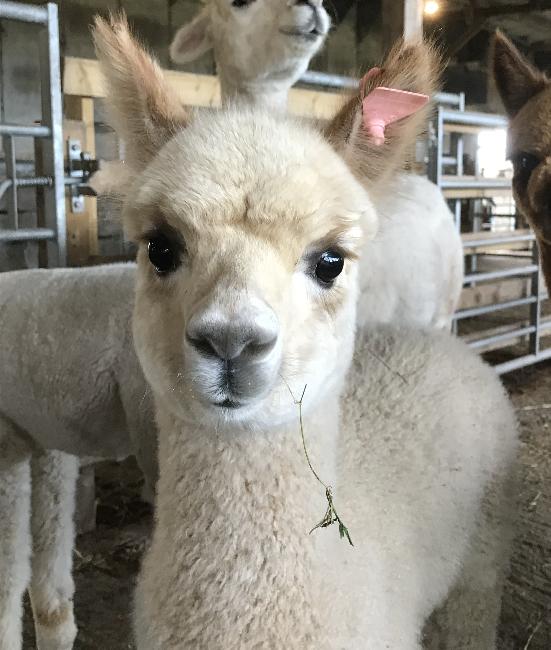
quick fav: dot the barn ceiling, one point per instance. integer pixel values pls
(462, 26)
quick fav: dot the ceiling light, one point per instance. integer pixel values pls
(431, 7)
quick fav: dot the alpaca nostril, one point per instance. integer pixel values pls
(203, 345)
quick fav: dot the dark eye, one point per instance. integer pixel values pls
(330, 265)
(163, 254)
(524, 164)
(241, 3)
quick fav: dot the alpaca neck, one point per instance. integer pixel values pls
(258, 93)
(233, 514)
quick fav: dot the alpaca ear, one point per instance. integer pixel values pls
(192, 40)
(146, 113)
(412, 67)
(516, 79)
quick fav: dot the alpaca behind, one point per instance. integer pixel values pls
(526, 95)
(262, 47)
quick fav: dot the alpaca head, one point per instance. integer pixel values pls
(259, 45)
(249, 228)
(526, 95)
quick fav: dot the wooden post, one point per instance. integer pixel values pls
(402, 18)
(82, 227)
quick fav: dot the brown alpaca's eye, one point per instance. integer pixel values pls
(163, 254)
(330, 265)
(523, 165)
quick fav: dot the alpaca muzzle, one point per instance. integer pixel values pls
(310, 21)
(234, 353)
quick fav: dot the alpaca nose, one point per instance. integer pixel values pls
(250, 336)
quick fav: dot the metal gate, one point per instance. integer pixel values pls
(528, 330)
(48, 136)
(451, 117)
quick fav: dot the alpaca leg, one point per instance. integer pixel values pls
(15, 540)
(54, 478)
(469, 617)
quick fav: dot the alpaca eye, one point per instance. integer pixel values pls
(241, 3)
(524, 164)
(330, 265)
(163, 254)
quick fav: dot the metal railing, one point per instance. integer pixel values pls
(327, 80)
(530, 329)
(49, 170)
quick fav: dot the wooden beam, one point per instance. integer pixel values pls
(368, 15)
(511, 10)
(402, 18)
(339, 9)
(83, 77)
(467, 36)
(500, 10)
(476, 193)
(494, 292)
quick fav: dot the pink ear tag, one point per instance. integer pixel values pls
(383, 106)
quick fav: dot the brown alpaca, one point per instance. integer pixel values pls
(526, 95)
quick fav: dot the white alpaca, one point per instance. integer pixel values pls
(247, 285)
(417, 237)
(262, 47)
(71, 381)
(92, 411)
(412, 271)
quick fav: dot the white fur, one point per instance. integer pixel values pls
(70, 382)
(84, 390)
(422, 477)
(412, 272)
(421, 461)
(421, 464)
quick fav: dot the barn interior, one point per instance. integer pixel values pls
(56, 135)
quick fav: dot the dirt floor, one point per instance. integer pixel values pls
(526, 614)
(107, 560)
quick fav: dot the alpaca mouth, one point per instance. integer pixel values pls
(308, 35)
(228, 404)
(317, 27)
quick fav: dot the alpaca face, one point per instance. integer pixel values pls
(256, 41)
(529, 148)
(249, 227)
(267, 40)
(526, 94)
(249, 231)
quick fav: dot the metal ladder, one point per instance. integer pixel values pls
(48, 137)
